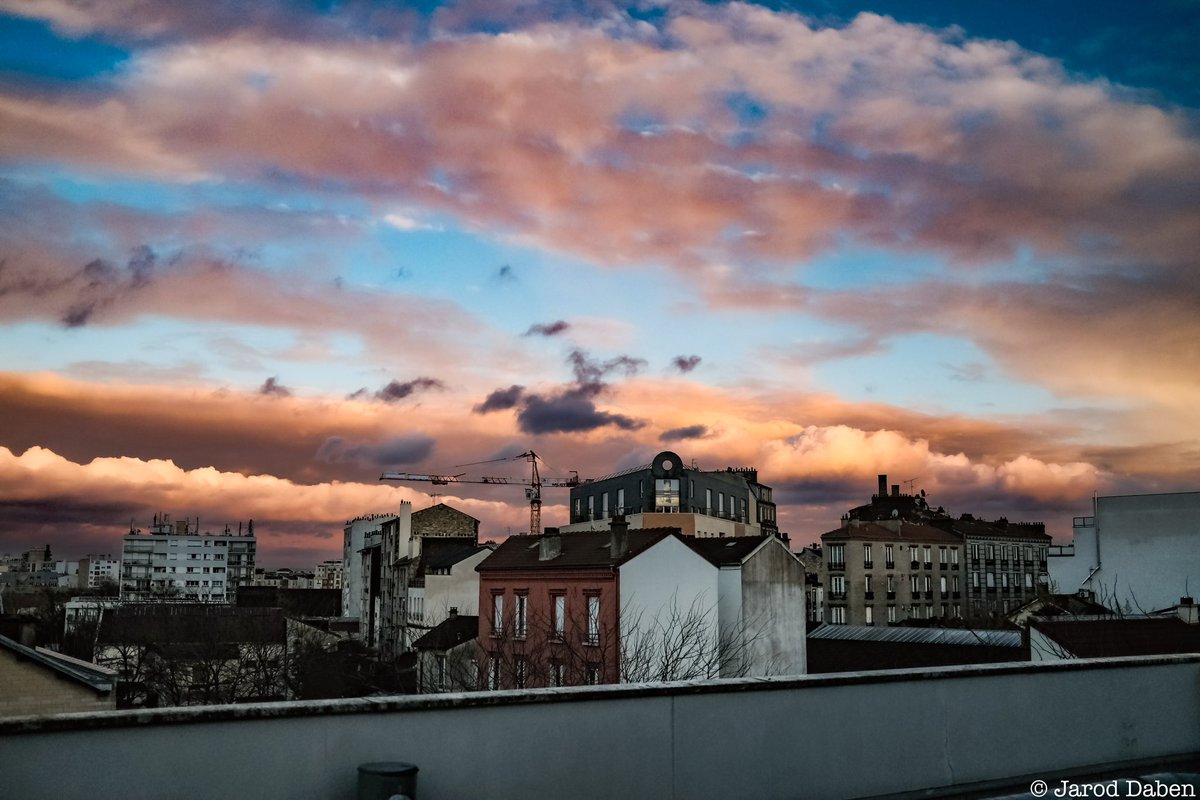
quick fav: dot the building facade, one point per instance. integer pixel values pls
(176, 560)
(882, 573)
(729, 502)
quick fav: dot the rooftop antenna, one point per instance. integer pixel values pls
(910, 482)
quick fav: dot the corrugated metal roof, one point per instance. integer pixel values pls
(952, 636)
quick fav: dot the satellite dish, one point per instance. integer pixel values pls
(895, 513)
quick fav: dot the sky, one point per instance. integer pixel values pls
(253, 255)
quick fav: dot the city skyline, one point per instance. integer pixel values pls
(249, 261)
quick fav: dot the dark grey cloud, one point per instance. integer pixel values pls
(501, 399)
(397, 390)
(408, 449)
(572, 408)
(100, 283)
(549, 329)
(687, 432)
(570, 411)
(273, 388)
(686, 363)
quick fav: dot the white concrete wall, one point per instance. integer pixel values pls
(773, 611)
(662, 586)
(1149, 551)
(459, 589)
(1068, 573)
(951, 727)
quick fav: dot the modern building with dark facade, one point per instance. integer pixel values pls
(726, 502)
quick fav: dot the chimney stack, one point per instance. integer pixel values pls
(883, 485)
(619, 544)
(549, 545)
(453, 612)
(895, 490)
(1189, 612)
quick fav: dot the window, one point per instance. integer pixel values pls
(991, 552)
(497, 614)
(837, 615)
(942, 557)
(943, 584)
(620, 501)
(837, 585)
(557, 673)
(927, 584)
(604, 505)
(666, 494)
(1004, 579)
(591, 503)
(440, 672)
(867, 584)
(837, 556)
(891, 613)
(955, 584)
(928, 557)
(974, 580)
(593, 619)
(867, 562)
(521, 623)
(914, 584)
(578, 506)
(720, 504)
(954, 556)
(708, 501)
(592, 674)
(870, 615)
(991, 580)
(887, 556)
(1028, 580)
(520, 671)
(891, 584)
(558, 614)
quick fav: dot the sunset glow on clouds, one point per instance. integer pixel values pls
(250, 260)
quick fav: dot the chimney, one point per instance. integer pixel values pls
(882, 485)
(404, 538)
(1188, 611)
(549, 545)
(619, 544)
(895, 490)
(453, 612)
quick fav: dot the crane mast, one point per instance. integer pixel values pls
(533, 485)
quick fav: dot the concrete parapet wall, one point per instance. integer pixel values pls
(847, 735)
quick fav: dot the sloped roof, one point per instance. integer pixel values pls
(725, 552)
(449, 557)
(999, 529)
(1136, 636)
(938, 636)
(449, 633)
(93, 676)
(187, 623)
(891, 531)
(581, 550)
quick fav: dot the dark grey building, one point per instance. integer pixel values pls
(667, 492)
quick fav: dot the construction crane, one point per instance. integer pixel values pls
(533, 484)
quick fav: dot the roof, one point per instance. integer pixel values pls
(725, 552)
(999, 529)
(93, 676)
(179, 623)
(932, 636)
(450, 633)
(1120, 636)
(891, 531)
(294, 602)
(448, 558)
(580, 550)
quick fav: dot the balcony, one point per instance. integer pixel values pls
(837, 566)
(889, 565)
(915, 565)
(891, 595)
(868, 595)
(665, 747)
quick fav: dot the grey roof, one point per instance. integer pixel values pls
(725, 551)
(450, 633)
(952, 636)
(92, 675)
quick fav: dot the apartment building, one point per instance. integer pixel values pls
(174, 559)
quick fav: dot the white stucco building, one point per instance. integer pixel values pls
(1135, 554)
